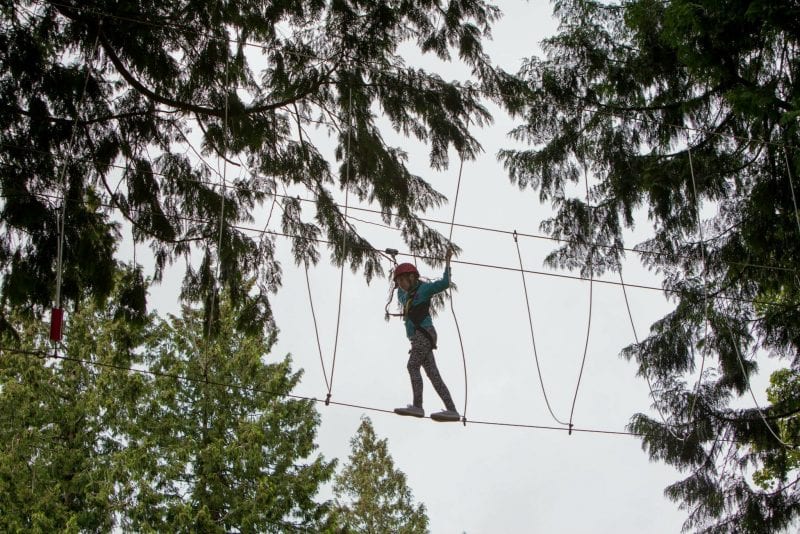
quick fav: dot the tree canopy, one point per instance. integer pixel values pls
(151, 426)
(371, 494)
(110, 110)
(671, 111)
(182, 120)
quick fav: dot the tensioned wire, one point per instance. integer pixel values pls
(44, 355)
(752, 394)
(623, 285)
(734, 342)
(165, 24)
(308, 291)
(329, 384)
(346, 216)
(522, 271)
(439, 221)
(305, 267)
(667, 290)
(223, 199)
(646, 373)
(707, 132)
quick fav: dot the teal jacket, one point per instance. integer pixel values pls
(424, 292)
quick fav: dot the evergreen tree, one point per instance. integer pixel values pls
(372, 496)
(677, 109)
(60, 415)
(101, 101)
(218, 446)
(153, 425)
(784, 390)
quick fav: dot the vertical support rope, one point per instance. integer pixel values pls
(55, 330)
(752, 395)
(344, 240)
(223, 189)
(533, 338)
(585, 351)
(450, 294)
(730, 333)
(60, 249)
(791, 187)
(224, 169)
(646, 374)
(705, 283)
(316, 328)
(455, 200)
(305, 260)
(589, 321)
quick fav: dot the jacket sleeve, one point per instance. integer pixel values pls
(437, 286)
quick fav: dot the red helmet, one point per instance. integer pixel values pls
(405, 268)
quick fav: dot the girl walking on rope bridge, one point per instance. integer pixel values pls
(415, 299)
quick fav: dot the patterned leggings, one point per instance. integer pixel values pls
(421, 355)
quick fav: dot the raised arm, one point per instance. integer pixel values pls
(437, 286)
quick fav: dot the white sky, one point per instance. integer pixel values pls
(488, 479)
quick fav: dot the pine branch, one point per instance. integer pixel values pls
(194, 108)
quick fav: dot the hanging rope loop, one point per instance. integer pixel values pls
(705, 283)
(343, 250)
(589, 320)
(533, 337)
(450, 294)
(791, 186)
(646, 372)
(316, 327)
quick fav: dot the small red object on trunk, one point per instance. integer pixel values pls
(56, 322)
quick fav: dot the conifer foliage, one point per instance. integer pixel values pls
(139, 110)
(371, 494)
(221, 448)
(151, 426)
(685, 113)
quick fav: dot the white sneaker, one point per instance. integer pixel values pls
(446, 416)
(411, 410)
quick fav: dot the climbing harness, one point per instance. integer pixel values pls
(416, 313)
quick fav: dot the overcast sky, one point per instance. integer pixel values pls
(481, 478)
